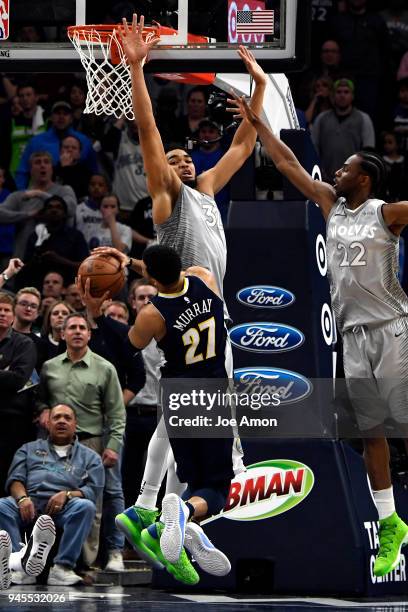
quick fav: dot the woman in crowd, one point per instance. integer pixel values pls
(52, 327)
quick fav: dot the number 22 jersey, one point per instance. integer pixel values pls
(362, 258)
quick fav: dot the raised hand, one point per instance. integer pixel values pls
(93, 304)
(105, 250)
(252, 66)
(136, 49)
(14, 266)
(240, 108)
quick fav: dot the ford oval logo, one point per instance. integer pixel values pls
(265, 296)
(291, 386)
(266, 337)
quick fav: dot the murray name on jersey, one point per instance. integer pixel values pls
(194, 310)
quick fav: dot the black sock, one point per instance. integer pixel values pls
(190, 510)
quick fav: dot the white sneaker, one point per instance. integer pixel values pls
(174, 516)
(5, 552)
(115, 562)
(61, 575)
(209, 558)
(22, 578)
(36, 552)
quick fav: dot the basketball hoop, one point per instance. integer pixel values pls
(107, 71)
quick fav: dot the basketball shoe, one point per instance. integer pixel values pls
(393, 535)
(182, 570)
(203, 551)
(174, 515)
(131, 523)
(35, 553)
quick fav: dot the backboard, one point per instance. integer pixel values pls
(275, 30)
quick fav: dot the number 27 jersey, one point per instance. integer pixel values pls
(362, 255)
(194, 344)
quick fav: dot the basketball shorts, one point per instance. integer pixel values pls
(203, 462)
(376, 370)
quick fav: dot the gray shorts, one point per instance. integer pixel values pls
(376, 369)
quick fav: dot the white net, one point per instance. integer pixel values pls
(109, 85)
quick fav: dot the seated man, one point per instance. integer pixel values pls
(60, 477)
(32, 557)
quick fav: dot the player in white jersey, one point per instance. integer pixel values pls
(370, 306)
(184, 210)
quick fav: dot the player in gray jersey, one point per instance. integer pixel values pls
(370, 306)
(184, 210)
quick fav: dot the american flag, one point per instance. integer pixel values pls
(255, 22)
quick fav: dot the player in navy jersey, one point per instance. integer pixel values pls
(186, 319)
(370, 306)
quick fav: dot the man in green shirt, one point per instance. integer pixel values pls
(87, 382)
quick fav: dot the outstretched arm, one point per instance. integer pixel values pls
(286, 161)
(125, 262)
(245, 137)
(162, 182)
(396, 216)
(205, 275)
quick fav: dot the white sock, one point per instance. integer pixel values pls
(155, 469)
(384, 501)
(173, 484)
(148, 496)
(15, 561)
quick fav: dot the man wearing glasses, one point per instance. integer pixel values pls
(27, 307)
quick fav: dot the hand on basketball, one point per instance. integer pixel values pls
(134, 46)
(241, 108)
(93, 304)
(124, 259)
(252, 66)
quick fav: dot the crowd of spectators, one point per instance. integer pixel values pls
(70, 182)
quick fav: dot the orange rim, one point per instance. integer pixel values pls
(105, 31)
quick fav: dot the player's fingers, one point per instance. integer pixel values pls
(134, 22)
(80, 287)
(87, 293)
(247, 53)
(242, 52)
(141, 25)
(125, 27)
(153, 41)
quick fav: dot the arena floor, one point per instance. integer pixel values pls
(142, 599)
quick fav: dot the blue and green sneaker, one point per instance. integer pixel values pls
(182, 570)
(131, 523)
(393, 535)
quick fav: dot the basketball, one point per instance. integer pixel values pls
(105, 274)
